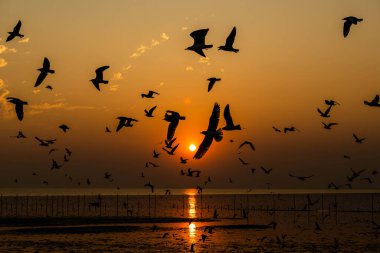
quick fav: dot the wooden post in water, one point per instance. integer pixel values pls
(183, 204)
(336, 210)
(274, 206)
(46, 205)
(149, 205)
(117, 204)
(372, 206)
(201, 203)
(323, 209)
(1, 205)
(78, 203)
(16, 204)
(27, 205)
(294, 208)
(234, 205)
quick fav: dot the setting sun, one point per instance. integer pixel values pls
(192, 147)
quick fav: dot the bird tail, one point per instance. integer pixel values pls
(236, 50)
(105, 82)
(21, 35)
(238, 127)
(143, 95)
(219, 135)
(51, 71)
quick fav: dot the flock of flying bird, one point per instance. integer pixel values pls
(213, 131)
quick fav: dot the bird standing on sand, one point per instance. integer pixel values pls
(44, 71)
(212, 81)
(348, 22)
(229, 42)
(15, 32)
(211, 133)
(230, 126)
(99, 77)
(19, 106)
(199, 37)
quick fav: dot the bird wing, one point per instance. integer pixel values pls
(171, 129)
(151, 110)
(227, 116)
(231, 38)
(99, 72)
(211, 84)
(328, 110)
(46, 64)
(96, 84)
(199, 36)
(356, 138)
(174, 148)
(214, 119)
(319, 110)
(41, 77)
(20, 111)
(16, 29)
(200, 52)
(376, 99)
(346, 27)
(120, 125)
(205, 145)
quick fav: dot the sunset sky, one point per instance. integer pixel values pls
(292, 57)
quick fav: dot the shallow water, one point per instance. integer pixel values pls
(345, 217)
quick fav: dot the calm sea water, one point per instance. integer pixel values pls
(345, 218)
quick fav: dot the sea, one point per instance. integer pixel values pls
(188, 220)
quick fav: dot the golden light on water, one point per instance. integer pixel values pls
(192, 204)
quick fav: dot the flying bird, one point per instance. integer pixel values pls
(183, 160)
(125, 122)
(331, 102)
(55, 165)
(348, 21)
(44, 71)
(212, 81)
(230, 126)
(149, 94)
(266, 171)
(229, 42)
(247, 143)
(15, 32)
(169, 144)
(19, 106)
(99, 77)
(49, 87)
(149, 113)
(174, 118)
(107, 130)
(155, 154)
(64, 127)
(290, 129)
(329, 125)
(276, 129)
(211, 133)
(242, 161)
(357, 139)
(199, 37)
(301, 178)
(325, 114)
(171, 152)
(374, 102)
(19, 135)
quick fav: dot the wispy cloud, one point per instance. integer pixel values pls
(126, 68)
(5, 49)
(114, 87)
(40, 108)
(189, 68)
(154, 43)
(205, 60)
(24, 40)
(117, 76)
(36, 91)
(5, 106)
(184, 28)
(3, 62)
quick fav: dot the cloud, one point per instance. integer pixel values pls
(154, 43)
(127, 68)
(3, 49)
(117, 76)
(24, 40)
(36, 91)
(164, 36)
(184, 28)
(6, 109)
(205, 60)
(114, 87)
(3, 62)
(47, 106)
(40, 108)
(12, 50)
(189, 68)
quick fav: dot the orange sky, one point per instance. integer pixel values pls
(292, 57)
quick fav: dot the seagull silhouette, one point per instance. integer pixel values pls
(290, 129)
(357, 139)
(149, 94)
(183, 160)
(374, 102)
(19, 106)
(45, 143)
(44, 71)
(149, 113)
(247, 143)
(266, 171)
(211, 133)
(15, 32)
(99, 77)
(155, 154)
(153, 165)
(55, 165)
(242, 161)
(169, 144)
(149, 185)
(348, 21)
(301, 178)
(212, 81)
(369, 180)
(230, 126)
(331, 102)
(64, 127)
(171, 152)
(229, 42)
(49, 87)
(125, 122)
(329, 125)
(174, 118)
(19, 135)
(107, 130)
(325, 114)
(199, 37)
(276, 129)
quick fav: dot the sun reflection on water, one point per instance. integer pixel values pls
(192, 214)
